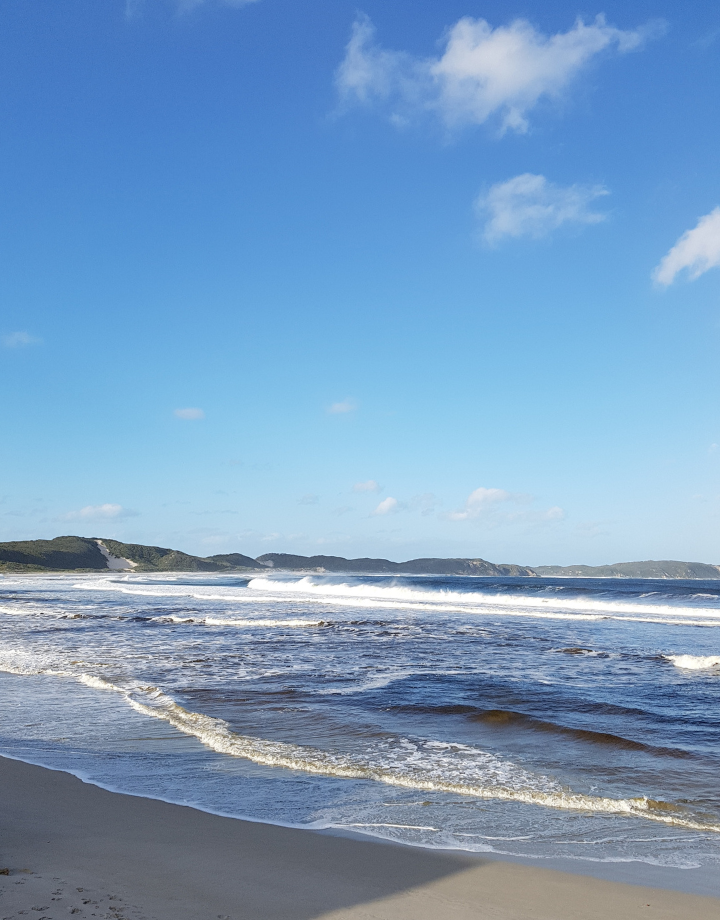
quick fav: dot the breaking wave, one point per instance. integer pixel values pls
(398, 595)
(694, 662)
(418, 764)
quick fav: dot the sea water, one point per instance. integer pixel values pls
(541, 718)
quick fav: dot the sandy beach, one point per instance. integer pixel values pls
(73, 849)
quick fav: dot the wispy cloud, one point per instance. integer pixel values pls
(425, 503)
(189, 415)
(707, 40)
(338, 408)
(479, 502)
(309, 499)
(483, 72)
(133, 7)
(369, 486)
(556, 513)
(387, 506)
(697, 250)
(529, 205)
(19, 340)
(496, 506)
(99, 513)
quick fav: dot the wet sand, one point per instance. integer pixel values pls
(73, 850)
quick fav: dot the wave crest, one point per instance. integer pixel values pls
(428, 766)
(694, 662)
(393, 595)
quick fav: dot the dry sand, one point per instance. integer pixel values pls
(74, 850)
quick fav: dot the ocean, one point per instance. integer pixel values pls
(538, 718)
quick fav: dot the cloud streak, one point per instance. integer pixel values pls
(369, 486)
(19, 340)
(339, 408)
(495, 506)
(483, 72)
(479, 502)
(697, 251)
(531, 206)
(104, 512)
(133, 7)
(189, 414)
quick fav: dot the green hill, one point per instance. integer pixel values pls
(62, 553)
(384, 566)
(647, 569)
(83, 554)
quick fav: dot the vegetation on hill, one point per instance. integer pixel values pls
(59, 554)
(160, 559)
(385, 566)
(647, 569)
(82, 554)
(236, 560)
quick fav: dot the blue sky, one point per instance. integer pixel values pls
(407, 279)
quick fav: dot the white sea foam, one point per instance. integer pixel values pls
(409, 765)
(694, 662)
(428, 766)
(97, 683)
(352, 592)
(534, 604)
(240, 622)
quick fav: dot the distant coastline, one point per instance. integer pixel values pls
(101, 554)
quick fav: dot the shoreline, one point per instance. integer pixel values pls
(65, 841)
(694, 881)
(269, 571)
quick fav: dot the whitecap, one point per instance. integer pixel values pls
(694, 662)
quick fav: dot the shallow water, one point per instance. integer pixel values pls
(554, 718)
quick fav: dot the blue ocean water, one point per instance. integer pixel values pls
(541, 718)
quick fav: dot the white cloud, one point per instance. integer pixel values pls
(386, 506)
(483, 72)
(369, 486)
(347, 405)
(479, 502)
(496, 507)
(529, 205)
(186, 5)
(189, 414)
(99, 512)
(19, 340)
(133, 7)
(554, 514)
(697, 250)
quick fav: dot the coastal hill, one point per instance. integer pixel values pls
(384, 566)
(86, 554)
(648, 569)
(95, 554)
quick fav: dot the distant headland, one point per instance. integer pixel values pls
(96, 554)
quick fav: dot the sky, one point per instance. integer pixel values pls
(412, 279)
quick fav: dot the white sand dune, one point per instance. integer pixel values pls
(116, 563)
